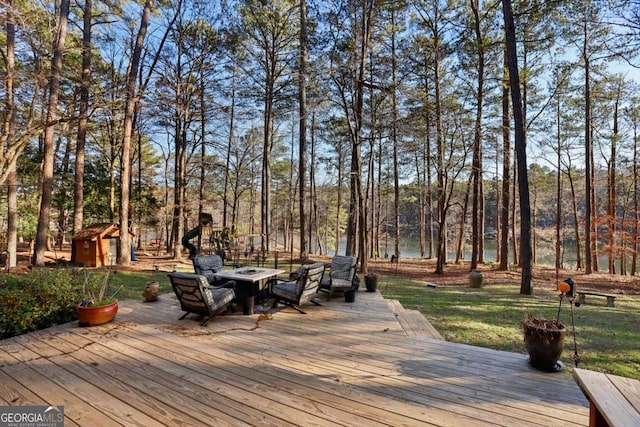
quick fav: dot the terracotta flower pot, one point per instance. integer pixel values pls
(96, 315)
(151, 290)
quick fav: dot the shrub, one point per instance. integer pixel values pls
(37, 300)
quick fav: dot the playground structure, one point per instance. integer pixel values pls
(241, 249)
(217, 240)
(237, 249)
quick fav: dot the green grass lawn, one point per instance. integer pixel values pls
(607, 337)
(130, 284)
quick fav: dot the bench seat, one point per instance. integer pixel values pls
(611, 299)
(613, 400)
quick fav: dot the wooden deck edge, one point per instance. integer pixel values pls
(426, 327)
(413, 322)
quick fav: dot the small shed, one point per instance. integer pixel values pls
(96, 245)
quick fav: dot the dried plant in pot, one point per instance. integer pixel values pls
(97, 307)
(544, 339)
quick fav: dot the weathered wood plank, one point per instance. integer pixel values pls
(231, 393)
(340, 404)
(349, 369)
(310, 363)
(413, 322)
(629, 388)
(604, 395)
(101, 371)
(12, 393)
(52, 393)
(341, 364)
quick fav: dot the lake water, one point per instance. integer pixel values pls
(410, 248)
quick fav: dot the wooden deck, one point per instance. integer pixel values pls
(341, 364)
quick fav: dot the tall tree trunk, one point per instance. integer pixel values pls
(394, 136)
(265, 195)
(521, 152)
(378, 224)
(612, 190)
(463, 220)
(9, 130)
(576, 221)
(498, 196)
(302, 100)
(370, 189)
(636, 190)
(441, 242)
(534, 208)
(124, 252)
(203, 155)
(594, 213)
(427, 154)
(623, 244)
(180, 226)
(588, 266)
(314, 217)
(420, 172)
(357, 233)
(232, 113)
(62, 171)
(481, 212)
(52, 115)
(338, 223)
(514, 193)
(558, 191)
(476, 225)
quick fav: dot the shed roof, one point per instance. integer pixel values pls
(103, 230)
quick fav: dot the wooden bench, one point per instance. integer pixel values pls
(611, 299)
(613, 400)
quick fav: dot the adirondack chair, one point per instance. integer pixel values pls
(197, 296)
(304, 289)
(342, 276)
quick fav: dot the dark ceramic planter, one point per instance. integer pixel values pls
(350, 296)
(544, 346)
(371, 282)
(94, 316)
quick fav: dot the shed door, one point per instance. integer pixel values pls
(113, 251)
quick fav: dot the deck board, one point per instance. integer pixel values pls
(347, 364)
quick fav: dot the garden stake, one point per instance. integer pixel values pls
(559, 307)
(576, 358)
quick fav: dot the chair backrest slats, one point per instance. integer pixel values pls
(309, 280)
(343, 267)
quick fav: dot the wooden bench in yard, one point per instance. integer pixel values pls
(611, 299)
(613, 400)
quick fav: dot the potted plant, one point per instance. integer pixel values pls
(97, 308)
(371, 282)
(544, 339)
